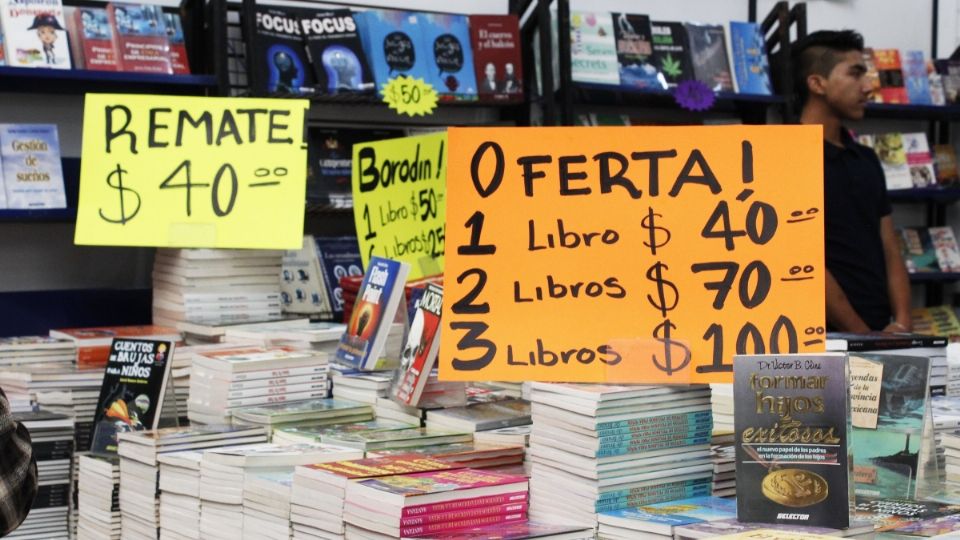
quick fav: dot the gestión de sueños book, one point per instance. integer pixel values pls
(792, 420)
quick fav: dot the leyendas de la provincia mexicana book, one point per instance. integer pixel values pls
(792, 426)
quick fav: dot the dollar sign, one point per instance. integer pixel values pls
(649, 222)
(124, 218)
(655, 274)
(662, 334)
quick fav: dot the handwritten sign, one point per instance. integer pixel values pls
(410, 96)
(173, 171)
(399, 201)
(648, 255)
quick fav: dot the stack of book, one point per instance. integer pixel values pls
(311, 275)
(52, 437)
(429, 503)
(209, 334)
(727, 528)
(180, 494)
(613, 447)
(474, 455)
(481, 416)
(406, 439)
(439, 394)
(308, 413)
(721, 399)
(28, 353)
(951, 451)
(878, 343)
(946, 422)
(309, 433)
(266, 504)
(388, 408)
(660, 520)
(216, 286)
(227, 379)
(93, 344)
(222, 473)
(99, 497)
(724, 469)
(319, 490)
(518, 435)
(318, 336)
(362, 386)
(139, 468)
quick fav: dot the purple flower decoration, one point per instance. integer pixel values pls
(694, 96)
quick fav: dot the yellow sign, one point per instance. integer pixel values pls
(409, 96)
(189, 172)
(646, 255)
(399, 201)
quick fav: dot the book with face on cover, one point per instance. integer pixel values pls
(34, 34)
(496, 56)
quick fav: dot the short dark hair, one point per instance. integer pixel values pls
(817, 53)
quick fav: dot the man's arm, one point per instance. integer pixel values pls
(18, 470)
(898, 283)
(840, 313)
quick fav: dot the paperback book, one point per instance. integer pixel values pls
(95, 39)
(671, 52)
(34, 34)
(708, 52)
(446, 40)
(915, 78)
(890, 70)
(178, 45)
(334, 49)
(279, 56)
(141, 38)
(391, 39)
(779, 399)
(496, 56)
(31, 169)
(593, 49)
(634, 38)
(750, 63)
(419, 353)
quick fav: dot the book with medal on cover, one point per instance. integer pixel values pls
(792, 425)
(133, 390)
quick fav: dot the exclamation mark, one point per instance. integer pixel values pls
(746, 169)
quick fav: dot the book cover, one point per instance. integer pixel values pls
(446, 41)
(392, 41)
(409, 486)
(890, 70)
(278, 55)
(178, 45)
(519, 531)
(334, 49)
(708, 53)
(872, 75)
(887, 514)
(880, 341)
(31, 168)
(339, 257)
(949, 70)
(314, 409)
(918, 251)
(661, 518)
(95, 39)
(330, 162)
(34, 34)
(593, 48)
(750, 63)
(915, 78)
(893, 158)
(382, 466)
(946, 249)
(419, 353)
(634, 39)
(373, 313)
(400, 438)
(719, 528)
(318, 433)
(454, 516)
(508, 514)
(890, 403)
(141, 38)
(301, 283)
(945, 159)
(497, 62)
(919, 159)
(671, 52)
(132, 394)
(778, 401)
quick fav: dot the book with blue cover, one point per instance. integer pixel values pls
(31, 169)
(339, 257)
(446, 41)
(915, 78)
(362, 345)
(333, 44)
(750, 65)
(279, 62)
(392, 41)
(661, 518)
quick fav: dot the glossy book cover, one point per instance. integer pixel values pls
(373, 313)
(411, 485)
(791, 414)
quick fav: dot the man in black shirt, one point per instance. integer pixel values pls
(867, 283)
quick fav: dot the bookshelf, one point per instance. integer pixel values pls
(82, 81)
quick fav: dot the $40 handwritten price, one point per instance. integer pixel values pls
(224, 189)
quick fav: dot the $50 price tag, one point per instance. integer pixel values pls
(171, 171)
(410, 96)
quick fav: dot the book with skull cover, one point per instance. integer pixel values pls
(791, 417)
(419, 352)
(133, 391)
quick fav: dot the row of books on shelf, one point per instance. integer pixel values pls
(908, 162)
(305, 51)
(907, 77)
(31, 175)
(930, 249)
(139, 38)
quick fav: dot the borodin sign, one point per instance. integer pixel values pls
(647, 255)
(171, 171)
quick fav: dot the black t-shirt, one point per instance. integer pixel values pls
(855, 198)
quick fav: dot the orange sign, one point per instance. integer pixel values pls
(647, 254)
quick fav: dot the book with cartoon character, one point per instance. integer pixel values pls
(35, 34)
(133, 391)
(419, 352)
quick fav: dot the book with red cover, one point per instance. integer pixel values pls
(460, 515)
(419, 353)
(521, 530)
(496, 56)
(95, 39)
(892, 88)
(141, 37)
(93, 344)
(178, 46)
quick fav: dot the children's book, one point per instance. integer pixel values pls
(35, 34)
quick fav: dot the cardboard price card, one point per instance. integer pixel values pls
(647, 255)
(191, 172)
(399, 201)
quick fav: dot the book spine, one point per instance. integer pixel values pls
(277, 373)
(92, 357)
(45, 451)
(460, 515)
(321, 386)
(645, 447)
(639, 493)
(279, 381)
(461, 524)
(262, 400)
(652, 422)
(450, 506)
(680, 428)
(51, 496)
(671, 493)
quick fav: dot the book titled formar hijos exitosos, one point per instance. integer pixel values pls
(792, 427)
